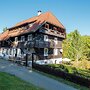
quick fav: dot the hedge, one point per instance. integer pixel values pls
(60, 73)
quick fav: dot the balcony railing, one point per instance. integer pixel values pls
(20, 44)
(42, 44)
(52, 32)
(38, 44)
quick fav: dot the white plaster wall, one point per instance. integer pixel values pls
(50, 61)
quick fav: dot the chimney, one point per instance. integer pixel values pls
(39, 12)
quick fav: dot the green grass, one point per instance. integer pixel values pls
(10, 82)
(64, 81)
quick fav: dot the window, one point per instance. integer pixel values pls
(55, 51)
(45, 37)
(45, 51)
(47, 26)
(16, 39)
(54, 28)
(55, 32)
(22, 38)
(55, 40)
(29, 37)
(31, 24)
(26, 27)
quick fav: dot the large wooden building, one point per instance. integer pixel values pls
(41, 36)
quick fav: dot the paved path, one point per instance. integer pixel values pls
(32, 77)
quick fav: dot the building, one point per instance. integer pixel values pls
(41, 36)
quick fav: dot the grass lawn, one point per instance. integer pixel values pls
(10, 82)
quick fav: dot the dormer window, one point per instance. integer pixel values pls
(58, 29)
(54, 28)
(22, 38)
(30, 37)
(62, 31)
(16, 39)
(47, 26)
(31, 24)
(26, 27)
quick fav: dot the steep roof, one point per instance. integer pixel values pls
(45, 17)
(38, 21)
(4, 35)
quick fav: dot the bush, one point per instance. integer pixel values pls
(61, 72)
(71, 70)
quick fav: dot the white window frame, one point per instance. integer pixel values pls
(30, 37)
(45, 37)
(22, 38)
(55, 51)
(16, 39)
(55, 40)
(45, 51)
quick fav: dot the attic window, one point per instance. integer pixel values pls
(47, 26)
(26, 27)
(62, 31)
(58, 29)
(54, 28)
(31, 24)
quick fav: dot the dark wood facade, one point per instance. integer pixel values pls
(47, 37)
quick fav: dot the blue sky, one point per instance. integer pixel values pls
(73, 14)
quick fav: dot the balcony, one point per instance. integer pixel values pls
(20, 44)
(38, 44)
(42, 44)
(49, 44)
(52, 32)
(29, 44)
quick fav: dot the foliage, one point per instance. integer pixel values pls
(4, 29)
(83, 64)
(71, 70)
(76, 47)
(67, 72)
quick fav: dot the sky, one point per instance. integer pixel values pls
(73, 14)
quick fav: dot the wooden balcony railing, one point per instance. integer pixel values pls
(20, 44)
(38, 44)
(52, 32)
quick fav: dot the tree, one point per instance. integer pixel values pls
(73, 46)
(4, 29)
(86, 41)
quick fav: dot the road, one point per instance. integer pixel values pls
(32, 76)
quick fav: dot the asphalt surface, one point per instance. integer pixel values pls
(32, 76)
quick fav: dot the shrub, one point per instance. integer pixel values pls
(69, 75)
